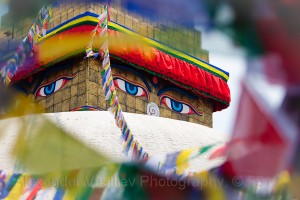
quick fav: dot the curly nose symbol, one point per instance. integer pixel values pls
(152, 109)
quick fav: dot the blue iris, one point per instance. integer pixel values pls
(131, 89)
(49, 89)
(176, 106)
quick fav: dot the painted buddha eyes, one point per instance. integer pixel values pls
(138, 90)
(178, 106)
(130, 87)
(53, 86)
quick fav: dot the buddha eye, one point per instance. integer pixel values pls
(53, 86)
(178, 106)
(130, 87)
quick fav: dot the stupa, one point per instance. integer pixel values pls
(176, 82)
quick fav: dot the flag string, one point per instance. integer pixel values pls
(131, 146)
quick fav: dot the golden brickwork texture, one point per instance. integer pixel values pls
(181, 38)
(86, 89)
(72, 95)
(139, 104)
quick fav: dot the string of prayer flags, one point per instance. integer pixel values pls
(14, 104)
(59, 160)
(131, 146)
(134, 181)
(179, 162)
(219, 152)
(26, 48)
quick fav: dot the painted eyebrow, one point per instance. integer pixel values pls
(135, 73)
(55, 69)
(176, 89)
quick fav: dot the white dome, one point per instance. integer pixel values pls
(97, 129)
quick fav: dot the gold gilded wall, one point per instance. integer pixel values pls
(80, 79)
(83, 88)
(181, 38)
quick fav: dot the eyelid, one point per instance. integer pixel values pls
(65, 76)
(135, 73)
(133, 83)
(162, 96)
(176, 89)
